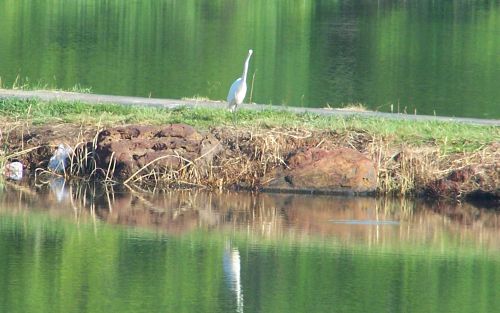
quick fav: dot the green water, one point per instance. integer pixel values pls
(72, 251)
(430, 56)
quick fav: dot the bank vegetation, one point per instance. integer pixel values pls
(430, 158)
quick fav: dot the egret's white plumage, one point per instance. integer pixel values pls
(238, 89)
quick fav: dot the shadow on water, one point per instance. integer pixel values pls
(364, 220)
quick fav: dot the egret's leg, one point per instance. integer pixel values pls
(234, 116)
(237, 135)
(234, 124)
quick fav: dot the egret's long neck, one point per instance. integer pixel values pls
(245, 68)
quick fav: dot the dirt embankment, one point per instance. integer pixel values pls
(290, 160)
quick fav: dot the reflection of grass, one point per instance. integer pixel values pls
(26, 84)
(430, 241)
(121, 267)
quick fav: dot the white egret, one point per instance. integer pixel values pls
(238, 89)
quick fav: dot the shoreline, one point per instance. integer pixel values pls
(396, 175)
(204, 148)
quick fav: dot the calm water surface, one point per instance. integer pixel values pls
(429, 56)
(78, 249)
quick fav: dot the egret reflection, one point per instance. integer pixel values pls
(232, 270)
(60, 189)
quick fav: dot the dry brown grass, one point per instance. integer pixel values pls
(251, 155)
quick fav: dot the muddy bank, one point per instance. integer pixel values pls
(284, 160)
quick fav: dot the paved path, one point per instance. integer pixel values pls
(172, 103)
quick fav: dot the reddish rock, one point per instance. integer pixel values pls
(322, 171)
(168, 148)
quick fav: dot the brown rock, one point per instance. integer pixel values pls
(163, 148)
(321, 171)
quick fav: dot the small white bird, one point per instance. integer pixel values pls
(238, 89)
(59, 160)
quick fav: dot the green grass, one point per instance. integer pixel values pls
(452, 137)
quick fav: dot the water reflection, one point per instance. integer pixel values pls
(102, 249)
(59, 189)
(299, 218)
(232, 269)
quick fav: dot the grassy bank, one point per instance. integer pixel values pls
(451, 137)
(408, 154)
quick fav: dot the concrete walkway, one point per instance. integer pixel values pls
(172, 103)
